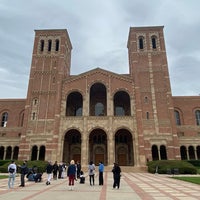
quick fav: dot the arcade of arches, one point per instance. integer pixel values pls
(98, 146)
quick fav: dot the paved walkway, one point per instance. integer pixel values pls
(134, 186)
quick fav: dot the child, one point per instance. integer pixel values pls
(82, 178)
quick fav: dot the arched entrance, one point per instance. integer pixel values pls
(124, 155)
(72, 146)
(98, 147)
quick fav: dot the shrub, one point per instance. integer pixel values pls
(164, 166)
(41, 165)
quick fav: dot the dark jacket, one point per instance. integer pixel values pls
(24, 169)
(71, 170)
(49, 168)
(116, 171)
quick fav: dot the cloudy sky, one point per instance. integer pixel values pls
(99, 32)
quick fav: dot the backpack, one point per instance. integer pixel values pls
(11, 170)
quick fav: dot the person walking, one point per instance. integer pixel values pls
(23, 172)
(12, 170)
(116, 176)
(49, 170)
(101, 170)
(91, 172)
(71, 173)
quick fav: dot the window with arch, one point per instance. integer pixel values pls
(163, 152)
(33, 116)
(197, 115)
(41, 45)
(34, 152)
(122, 104)
(57, 45)
(154, 42)
(141, 42)
(147, 115)
(146, 100)
(98, 100)
(154, 152)
(74, 104)
(49, 45)
(4, 119)
(177, 117)
(183, 152)
(35, 101)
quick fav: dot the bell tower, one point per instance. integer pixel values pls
(153, 96)
(51, 60)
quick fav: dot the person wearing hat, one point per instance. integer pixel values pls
(116, 176)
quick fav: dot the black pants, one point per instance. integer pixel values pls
(116, 181)
(92, 179)
(22, 180)
(100, 178)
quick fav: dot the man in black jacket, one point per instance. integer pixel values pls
(116, 175)
(24, 171)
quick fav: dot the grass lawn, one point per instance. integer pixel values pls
(3, 176)
(190, 179)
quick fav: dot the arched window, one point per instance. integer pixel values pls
(42, 153)
(2, 149)
(34, 153)
(163, 152)
(197, 115)
(191, 152)
(74, 104)
(34, 116)
(8, 153)
(57, 45)
(153, 41)
(198, 152)
(146, 100)
(147, 115)
(4, 119)
(98, 100)
(154, 152)
(41, 45)
(49, 45)
(141, 43)
(122, 104)
(183, 151)
(177, 117)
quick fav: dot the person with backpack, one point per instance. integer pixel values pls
(12, 169)
(91, 172)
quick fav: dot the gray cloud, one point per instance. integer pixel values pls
(99, 32)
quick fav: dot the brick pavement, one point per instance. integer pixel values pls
(134, 186)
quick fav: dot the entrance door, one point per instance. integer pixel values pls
(77, 157)
(98, 158)
(122, 159)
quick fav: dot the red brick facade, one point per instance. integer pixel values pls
(100, 115)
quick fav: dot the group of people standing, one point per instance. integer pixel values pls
(74, 172)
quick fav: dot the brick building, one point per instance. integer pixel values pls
(100, 115)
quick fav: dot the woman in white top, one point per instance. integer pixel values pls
(91, 172)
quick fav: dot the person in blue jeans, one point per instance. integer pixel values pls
(12, 169)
